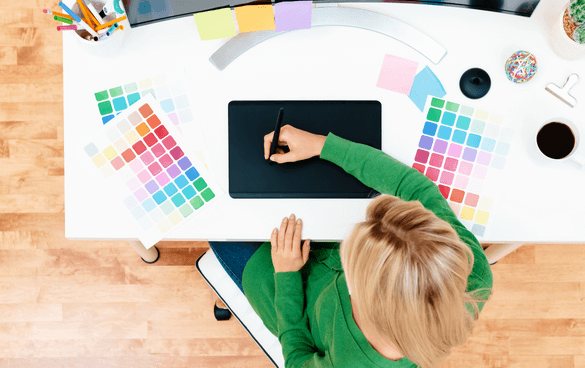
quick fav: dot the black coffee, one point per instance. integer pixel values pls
(556, 140)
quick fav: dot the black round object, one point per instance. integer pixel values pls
(221, 314)
(475, 83)
(555, 140)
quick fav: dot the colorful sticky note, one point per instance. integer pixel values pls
(252, 18)
(291, 15)
(397, 74)
(425, 84)
(215, 24)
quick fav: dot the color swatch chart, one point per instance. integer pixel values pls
(464, 150)
(160, 182)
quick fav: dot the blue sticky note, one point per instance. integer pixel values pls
(444, 132)
(120, 103)
(459, 136)
(189, 192)
(107, 118)
(168, 105)
(425, 84)
(473, 140)
(448, 118)
(159, 197)
(430, 129)
(132, 98)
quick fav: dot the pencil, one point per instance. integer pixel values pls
(93, 18)
(110, 23)
(85, 16)
(57, 14)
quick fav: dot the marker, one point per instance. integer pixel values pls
(276, 135)
(84, 11)
(112, 29)
(95, 13)
(56, 13)
(77, 19)
(72, 27)
(106, 25)
(64, 20)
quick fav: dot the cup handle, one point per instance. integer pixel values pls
(578, 158)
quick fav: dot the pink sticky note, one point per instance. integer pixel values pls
(397, 74)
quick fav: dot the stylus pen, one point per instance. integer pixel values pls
(276, 134)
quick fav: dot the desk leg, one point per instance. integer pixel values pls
(496, 251)
(148, 255)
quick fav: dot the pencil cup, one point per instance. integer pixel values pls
(111, 44)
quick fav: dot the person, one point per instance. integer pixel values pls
(403, 289)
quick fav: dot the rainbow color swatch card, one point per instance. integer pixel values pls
(464, 151)
(147, 167)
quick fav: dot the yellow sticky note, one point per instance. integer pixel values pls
(467, 213)
(99, 160)
(110, 152)
(482, 217)
(253, 18)
(215, 24)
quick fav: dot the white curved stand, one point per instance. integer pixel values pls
(337, 16)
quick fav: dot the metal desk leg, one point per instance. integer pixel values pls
(148, 255)
(496, 251)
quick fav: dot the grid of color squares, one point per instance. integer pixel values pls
(168, 89)
(163, 184)
(459, 145)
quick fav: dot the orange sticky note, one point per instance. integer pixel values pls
(253, 18)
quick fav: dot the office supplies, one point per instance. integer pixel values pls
(397, 74)
(521, 67)
(56, 13)
(253, 18)
(563, 93)
(77, 19)
(276, 134)
(110, 23)
(63, 20)
(425, 84)
(475, 83)
(249, 121)
(95, 13)
(215, 24)
(292, 15)
(85, 12)
(72, 27)
(152, 171)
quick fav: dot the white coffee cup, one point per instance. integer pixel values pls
(557, 139)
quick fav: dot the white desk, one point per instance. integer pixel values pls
(543, 204)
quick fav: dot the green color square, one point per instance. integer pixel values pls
(115, 92)
(100, 96)
(199, 184)
(466, 110)
(167, 207)
(105, 107)
(186, 210)
(207, 194)
(477, 126)
(147, 91)
(437, 102)
(197, 202)
(452, 106)
(131, 87)
(434, 115)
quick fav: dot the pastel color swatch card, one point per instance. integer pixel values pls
(215, 24)
(253, 18)
(397, 74)
(425, 84)
(292, 15)
(149, 168)
(458, 150)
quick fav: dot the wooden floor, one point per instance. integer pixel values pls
(85, 304)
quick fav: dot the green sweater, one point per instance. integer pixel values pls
(310, 310)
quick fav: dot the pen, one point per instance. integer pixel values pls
(77, 19)
(276, 134)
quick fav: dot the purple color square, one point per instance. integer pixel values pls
(151, 186)
(163, 179)
(184, 163)
(174, 118)
(469, 154)
(440, 146)
(484, 158)
(141, 194)
(455, 150)
(425, 142)
(173, 171)
(289, 16)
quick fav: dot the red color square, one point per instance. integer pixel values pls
(419, 167)
(451, 164)
(177, 153)
(153, 121)
(432, 173)
(128, 155)
(145, 110)
(161, 132)
(154, 169)
(169, 142)
(444, 191)
(150, 140)
(139, 147)
(166, 161)
(158, 150)
(117, 162)
(457, 195)
(471, 199)
(421, 156)
(436, 160)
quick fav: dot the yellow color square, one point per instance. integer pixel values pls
(482, 217)
(455, 207)
(132, 137)
(215, 24)
(253, 18)
(145, 83)
(164, 225)
(175, 217)
(99, 160)
(481, 115)
(497, 119)
(467, 213)
(110, 152)
(107, 171)
(485, 204)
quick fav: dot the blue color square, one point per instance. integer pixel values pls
(425, 84)
(459, 136)
(178, 200)
(148, 205)
(430, 129)
(448, 118)
(477, 126)
(503, 148)
(473, 140)
(478, 230)
(159, 197)
(189, 192)
(463, 122)
(192, 174)
(120, 103)
(170, 189)
(138, 212)
(181, 181)
(168, 105)
(132, 98)
(107, 118)
(444, 132)
(488, 144)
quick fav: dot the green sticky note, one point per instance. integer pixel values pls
(131, 87)
(186, 210)
(115, 92)
(215, 24)
(452, 106)
(196, 202)
(100, 96)
(434, 115)
(105, 107)
(466, 110)
(437, 102)
(199, 184)
(207, 194)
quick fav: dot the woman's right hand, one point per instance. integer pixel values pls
(302, 145)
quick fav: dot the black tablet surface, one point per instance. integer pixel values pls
(250, 176)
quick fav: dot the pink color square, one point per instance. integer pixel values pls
(471, 199)
(169, 142)
(397, 74)
(447, 177)
(465, 167)
(444, 191)
(451, 164)
(117, 162)
(133, 184)
(136, 166)
(480, 171)
(461, 182)
(436, 160)
(162, 179)
(141, 194)
(155, 169)
(177, 153)
(432, 173)
(144, 176)
(174, 118)
(158, 150)
(484, 158)
(419, 167)
(421, 156)
(455, 150)
(147, 158)
(166, 161)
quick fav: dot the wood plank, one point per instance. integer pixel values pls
(28, 74)
(41, 92)
(489, 361)
(47, 222)
(33, 148)
(195, 310)
(545, 309)
(530, 328)
(13, 293)
(162, 275)
(81, 276)
(29, 258)
(70, 348)
(204, 347)
(24, 110)
(230, 362)
(175, 329)
(31, 203)
(16, 17)
(4, 149)
(30, 312)
(523, 255)
(557, 254)
(562, 345)
(531, 291)
(93, 362)
(30, 166)
(25, 185)
(46, 48)
(538, 273)
(8, 55)
(88, 330)
(18, 36)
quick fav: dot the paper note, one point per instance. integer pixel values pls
(425, 84)
(397, 74)
(253, 18)
(293, 15)
(215, 24)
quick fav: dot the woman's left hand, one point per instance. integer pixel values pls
(286, 246)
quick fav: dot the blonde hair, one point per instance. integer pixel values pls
(407, 271)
